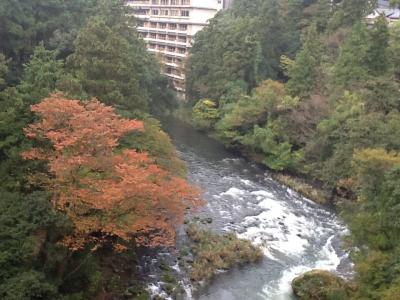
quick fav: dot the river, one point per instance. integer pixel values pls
(296, 234)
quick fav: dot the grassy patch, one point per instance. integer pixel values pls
(320, 285)
(213, 252)
(303, 188)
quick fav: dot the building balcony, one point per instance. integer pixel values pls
(166, 52)
(167, 42)
(172, 64)
(143, 29)
(177, 77)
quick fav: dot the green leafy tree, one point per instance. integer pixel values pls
(377, 56)
(205, 114)
(111, 62)
(223, 52)
(349, 12)
(40, 77)
(304, 71)
(41, 74)
(26, 225)
(104, 63)
(26, 23)
(3, 71)
(266, 101)
(394, 49)
(273, 38)
(351, 65)
(278, 154)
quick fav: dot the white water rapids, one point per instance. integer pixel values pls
(295, 234)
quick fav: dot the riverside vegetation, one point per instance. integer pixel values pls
(309, 88)
(87, 175)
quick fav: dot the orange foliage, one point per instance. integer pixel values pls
(106, 192)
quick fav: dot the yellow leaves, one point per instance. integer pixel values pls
(377, 156)
(370, 166)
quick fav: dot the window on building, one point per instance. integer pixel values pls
(171, 37)
(174, 2)
(164, 2)
(184, 13)
(182, 39)
(154, 12)
(161, 47)
(161, 36)
(172, 26)
(153, 35)
(181, 50)
(155, 2)
(174, 12)
(164, 12)
(182, 27)
(153, 24)
(141, 12)
(163, 25)
(185, 2)
(171, 49)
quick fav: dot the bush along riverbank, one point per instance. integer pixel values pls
(213, 253)
(320, 285)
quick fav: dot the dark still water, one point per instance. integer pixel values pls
(296, 234)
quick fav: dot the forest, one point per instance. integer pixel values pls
(87, 175)
(308, 88)
(311, 89)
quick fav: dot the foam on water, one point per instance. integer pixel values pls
(233, 192)
(277, 227)
(295, 233)
(281, 289)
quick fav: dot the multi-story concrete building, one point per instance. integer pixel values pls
(168, 27)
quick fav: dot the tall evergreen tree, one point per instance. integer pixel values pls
(304, 71)
(350, 66)
(377, 56)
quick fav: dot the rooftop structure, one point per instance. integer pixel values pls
(392, 14)
(168, 27)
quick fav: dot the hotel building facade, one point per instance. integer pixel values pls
(168, 27)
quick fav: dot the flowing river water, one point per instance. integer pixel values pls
(295, 234)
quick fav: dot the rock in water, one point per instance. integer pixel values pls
(320, 285)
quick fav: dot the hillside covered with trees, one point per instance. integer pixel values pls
(310, 88)
(87, 175)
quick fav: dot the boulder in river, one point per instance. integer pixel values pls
(320, 285)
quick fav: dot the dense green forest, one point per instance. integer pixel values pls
(311, 89)
(59, 237)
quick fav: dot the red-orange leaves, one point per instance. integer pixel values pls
(106, 193)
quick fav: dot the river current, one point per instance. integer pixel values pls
(295, 234)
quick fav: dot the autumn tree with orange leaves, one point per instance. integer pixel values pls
(109, 193)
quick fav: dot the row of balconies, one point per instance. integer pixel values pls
(145, 31)
(171, 50)
(165, 39)
(160, 2)
(162, 12)
(163, 26)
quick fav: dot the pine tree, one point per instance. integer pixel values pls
(351, 65)
(377, 55)
(304, 71)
